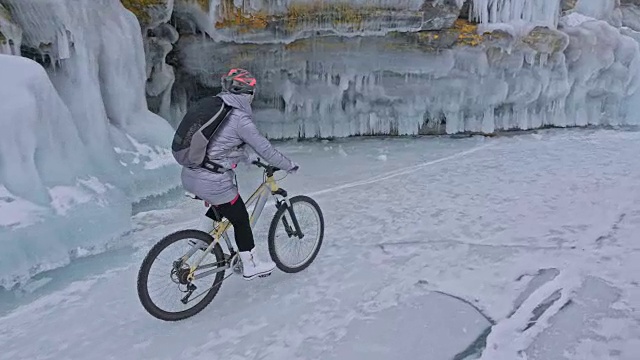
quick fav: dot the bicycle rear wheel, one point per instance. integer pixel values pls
(175, 272)
(283, 240)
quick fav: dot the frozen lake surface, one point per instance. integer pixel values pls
(523, 247)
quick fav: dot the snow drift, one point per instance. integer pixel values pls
(79, 144)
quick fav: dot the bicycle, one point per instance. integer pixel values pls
(183, 274)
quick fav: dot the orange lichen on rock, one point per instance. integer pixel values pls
(468, 33)
(232, 16)
(463, 33)
(204, 4)
(139, 8)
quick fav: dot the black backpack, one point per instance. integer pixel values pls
(199, 125)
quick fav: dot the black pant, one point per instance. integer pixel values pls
(239, 218)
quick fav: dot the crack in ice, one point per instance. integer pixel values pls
(393, 174)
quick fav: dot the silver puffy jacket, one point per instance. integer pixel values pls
(224, 149)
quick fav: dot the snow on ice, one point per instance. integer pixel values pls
(16, 212)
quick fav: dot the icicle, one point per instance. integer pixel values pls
(544, 12)
(544, 58)
(488, 121)
(62, 43)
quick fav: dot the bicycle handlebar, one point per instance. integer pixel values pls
(270, 169)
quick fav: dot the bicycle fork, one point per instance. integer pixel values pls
(298, 232)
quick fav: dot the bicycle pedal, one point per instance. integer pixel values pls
(264, 276)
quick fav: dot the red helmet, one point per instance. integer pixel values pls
(239, 81)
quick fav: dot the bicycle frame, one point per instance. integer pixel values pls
(259, 197)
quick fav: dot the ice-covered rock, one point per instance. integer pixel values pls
(337, 86)
(98, 68)
(261, 21)
(10, 34)
(605, 74)
(35, 120)
(616, 12)
(150, 13)
(158, 42)
(91, 150)
(607, 10)
(195, 16)
(537, 12)
(567, 5)
(264, 21)
(631, 14)
(267, 21)
(51, 201)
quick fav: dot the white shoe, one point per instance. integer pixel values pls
(252, 266)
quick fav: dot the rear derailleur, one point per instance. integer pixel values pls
(180, 276)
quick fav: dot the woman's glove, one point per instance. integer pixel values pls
(294, 169)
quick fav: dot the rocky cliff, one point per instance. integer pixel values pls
(341, 68)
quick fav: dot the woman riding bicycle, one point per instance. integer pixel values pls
(226, 149)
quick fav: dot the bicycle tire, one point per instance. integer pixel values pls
(272, 232)
(143, 276)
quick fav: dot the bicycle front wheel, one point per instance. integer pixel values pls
(289, 252)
